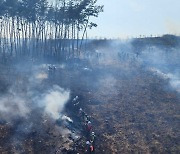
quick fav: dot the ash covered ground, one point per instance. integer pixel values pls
(132, 99)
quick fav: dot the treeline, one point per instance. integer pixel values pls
(36, 27)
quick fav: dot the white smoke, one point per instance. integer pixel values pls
(23, 96)
(39, 73)
(13, 106)
(173, 79)
(41, 76)
(54, 101)
(163, 63)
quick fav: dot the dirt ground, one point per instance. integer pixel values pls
(132, 111)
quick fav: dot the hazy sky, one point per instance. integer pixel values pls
(122, 18)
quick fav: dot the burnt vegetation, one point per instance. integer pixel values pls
(53, 81)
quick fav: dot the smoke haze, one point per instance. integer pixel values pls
(54, 101)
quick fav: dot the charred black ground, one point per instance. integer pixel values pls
(130, 90)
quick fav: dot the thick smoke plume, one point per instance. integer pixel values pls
(54, 101)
